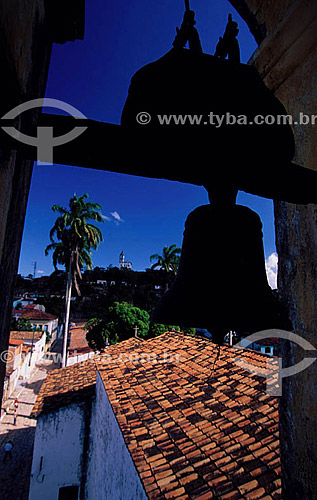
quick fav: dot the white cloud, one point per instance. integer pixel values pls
(40, 271)
(114, 217)
(271, 265)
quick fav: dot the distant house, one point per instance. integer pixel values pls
(39, 319)
(103, 283)
(25, 350)
(14, 360)
(158, 419)
(22, 301)
(34, 346)
(267, 346)
(78, 349)
(32, 307)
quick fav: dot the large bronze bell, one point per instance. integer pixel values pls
(221, 283)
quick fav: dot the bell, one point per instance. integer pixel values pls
(202, 118)
(202, 114)
(221, 283)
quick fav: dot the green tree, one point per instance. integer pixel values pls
(21, 325)
(72, 239)
(157, 329)
(168, 261)
(121, 320)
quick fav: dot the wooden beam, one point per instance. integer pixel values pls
(178, 155)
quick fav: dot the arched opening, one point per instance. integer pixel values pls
(119, 40)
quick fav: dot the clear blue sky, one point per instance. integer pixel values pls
(93, 75)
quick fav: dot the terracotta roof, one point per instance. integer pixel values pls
(79, 325)
(66, 386)
(35, 314)
(78, 340)
(196, 427)
(79, 351)
(15, 342)
(195, 430)
(17, 335)
(72, 384)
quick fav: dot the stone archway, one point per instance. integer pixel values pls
(286, 32)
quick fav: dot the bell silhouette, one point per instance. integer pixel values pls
(221, 283)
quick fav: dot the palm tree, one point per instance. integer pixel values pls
(75, 239)
(167, 262)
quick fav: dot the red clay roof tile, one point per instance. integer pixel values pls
(189, 433)
(19, 335)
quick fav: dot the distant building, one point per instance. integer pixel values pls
(266, 346)
(78, 349)
(123, 264)
(25, 350)
(38, 319)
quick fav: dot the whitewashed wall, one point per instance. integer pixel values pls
(59, 440)
(38, 349)
(78, 358)
(111, 471)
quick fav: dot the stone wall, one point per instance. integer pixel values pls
(296, 234)
(58, 451)
(24, 55)
(27, 30)
(287, 61)
(111, 471)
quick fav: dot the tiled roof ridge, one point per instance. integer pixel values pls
(209, 342)
(37, 315)
(98, 358)
(64, 374)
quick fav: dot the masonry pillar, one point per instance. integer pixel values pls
(287, 61)
(27, 30)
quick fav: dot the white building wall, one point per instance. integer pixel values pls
(25, 369)
(73, 360)
(111, 472)
(58, 450)
(38, 350)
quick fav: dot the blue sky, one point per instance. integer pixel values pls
(143, 215)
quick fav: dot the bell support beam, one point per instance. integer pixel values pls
(150, 153)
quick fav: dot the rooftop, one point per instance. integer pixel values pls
(17, 335)
(69, 385)
(35, 314)
(197, 427)
(15, 342)
(78, 340)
